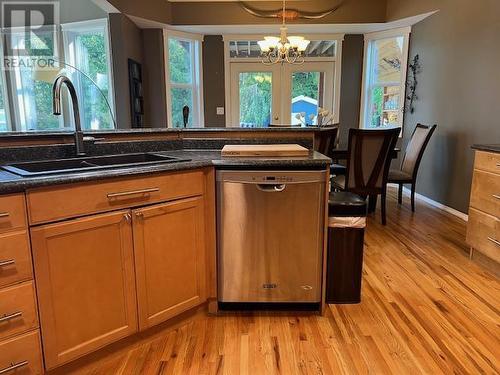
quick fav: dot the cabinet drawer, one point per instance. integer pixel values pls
(483, 233)
(15, 258)
(485, 195)
(55, 203)
(12, 212)
(17, 309)
(487, 161)
(21, 355)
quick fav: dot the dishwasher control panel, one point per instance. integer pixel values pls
(274, 178)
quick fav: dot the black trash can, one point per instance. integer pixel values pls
(346, 231)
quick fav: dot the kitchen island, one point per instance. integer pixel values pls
(113, 251)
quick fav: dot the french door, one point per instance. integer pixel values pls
(266, 95)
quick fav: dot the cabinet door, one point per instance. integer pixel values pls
(169, 258)
(84, 273)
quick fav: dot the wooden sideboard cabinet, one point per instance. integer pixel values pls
(483, 228)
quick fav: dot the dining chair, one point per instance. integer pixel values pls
(368, 162)
(327, 141)
(407, 172)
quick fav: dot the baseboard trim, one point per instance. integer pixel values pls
(423, 198)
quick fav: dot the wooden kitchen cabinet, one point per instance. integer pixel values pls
(84, 270)
(169, 245)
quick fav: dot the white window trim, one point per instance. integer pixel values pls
(88, 26)
(370, 37)
(338, 38)
(197, 64)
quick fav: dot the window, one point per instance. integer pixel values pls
(384, 77)
(31, 98)
(86, 46)
(184, 79)
(26, 88)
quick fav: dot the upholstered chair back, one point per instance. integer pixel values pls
(369, 157)
(416, 147)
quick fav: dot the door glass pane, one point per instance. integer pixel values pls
(180, 98)
(255, 99)
(179, 58)
(307, 97)
(385, 106)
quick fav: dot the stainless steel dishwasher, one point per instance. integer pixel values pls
(270, 228)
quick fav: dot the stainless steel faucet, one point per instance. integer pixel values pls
(56, 105)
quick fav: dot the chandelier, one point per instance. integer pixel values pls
(289, 49)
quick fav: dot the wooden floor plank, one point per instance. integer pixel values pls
(426, 309)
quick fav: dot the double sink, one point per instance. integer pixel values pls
(91, 163)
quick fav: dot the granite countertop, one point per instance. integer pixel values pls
(489, 148)
(10, 183)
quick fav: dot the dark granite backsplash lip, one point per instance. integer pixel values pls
(489, 148)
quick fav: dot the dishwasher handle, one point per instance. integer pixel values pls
(273, 188)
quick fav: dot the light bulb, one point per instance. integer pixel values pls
(264, 45)
(302, 45)
(295, 40)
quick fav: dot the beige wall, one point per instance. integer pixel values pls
(356, 11)
(196, 13)
(458, 89)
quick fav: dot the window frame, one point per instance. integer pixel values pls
(337, 74)
(66, 38)
(368, 85)
(196, 84)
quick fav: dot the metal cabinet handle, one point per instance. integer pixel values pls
(271, 188)
(127, 217)
(4, 214)
(132, 192)
(496, 242)
(7, 262)
(11, 316)
(139, 214)
(496, 196)
(13, 366)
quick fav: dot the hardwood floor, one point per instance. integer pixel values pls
(426, 308)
